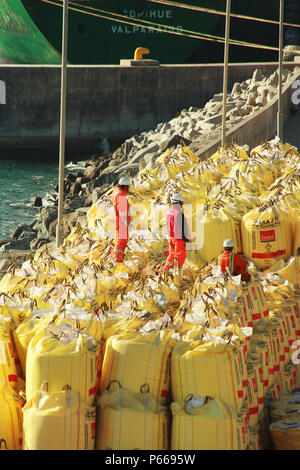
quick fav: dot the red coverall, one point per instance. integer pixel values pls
(122, 220)
(236, 264)
(177, 229)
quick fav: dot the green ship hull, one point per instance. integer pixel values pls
(31, 31)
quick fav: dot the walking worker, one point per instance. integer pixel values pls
(122, 217)
(235, 263)
(178, 234)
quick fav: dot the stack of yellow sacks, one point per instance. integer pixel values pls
(187, 353)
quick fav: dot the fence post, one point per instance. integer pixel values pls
(225, 71)
(62, 131)
(280, 113)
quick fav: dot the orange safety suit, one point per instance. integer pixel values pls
(177, 236)
(236, 264)
(122, 220)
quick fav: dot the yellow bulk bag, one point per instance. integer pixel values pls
(267, 235)
(291, 272)
(131, 421)
(230, 152)
(214, 369)
(79, 319)
(288, 376)
(134, 359)
(296, 243)
(256, 169)
(9, 282)
(256, 375)
(282, 338)
(25, 332)
(212, 426)
(290, 321)
(87, 323)
(261, 346)
(275, 391)
(108, 287)
(253, 303)
(60, 357)
(280, 264)
(277, 351)
(213, 227)
(192, 189)
(16, 313)
(286, 435)
(276, 150)
(120, 325)
(103, 211)
(255, 388)
(8, 356)
(11, 419)
(174, 161)
(141, 212)
(58, 421)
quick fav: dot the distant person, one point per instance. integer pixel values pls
(103, 147)
(122, 217)
(235, 263)
(178, 234)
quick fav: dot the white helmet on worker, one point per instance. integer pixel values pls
(124, 181)
(177, 198)
(228, 243)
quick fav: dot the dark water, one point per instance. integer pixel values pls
(20, 182)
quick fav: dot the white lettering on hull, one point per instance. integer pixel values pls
(138, 29)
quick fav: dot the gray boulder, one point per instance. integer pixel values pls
(9, 257)
(262, 100)
(37, 201)
(47, 215)
(177, 140)
(273, 79)
(147, 161)
(36, 243)
(94, 171)
(75, 188)
(21, 231)
(256, 77)
(75, 203)
(69, 220)
(99, 191)
(154, 147)
(251, 101)
(215, 119)
(236, 89)
(130, 169)
(20, 244)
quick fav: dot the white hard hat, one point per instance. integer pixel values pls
(228, 243)
(177, 198)
(124, 181)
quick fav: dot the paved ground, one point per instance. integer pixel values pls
(291, 132)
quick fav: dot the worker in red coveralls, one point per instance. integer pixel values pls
(235, 263)
(178, 234)
(122, 217)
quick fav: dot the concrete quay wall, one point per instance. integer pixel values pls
(113, 101)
